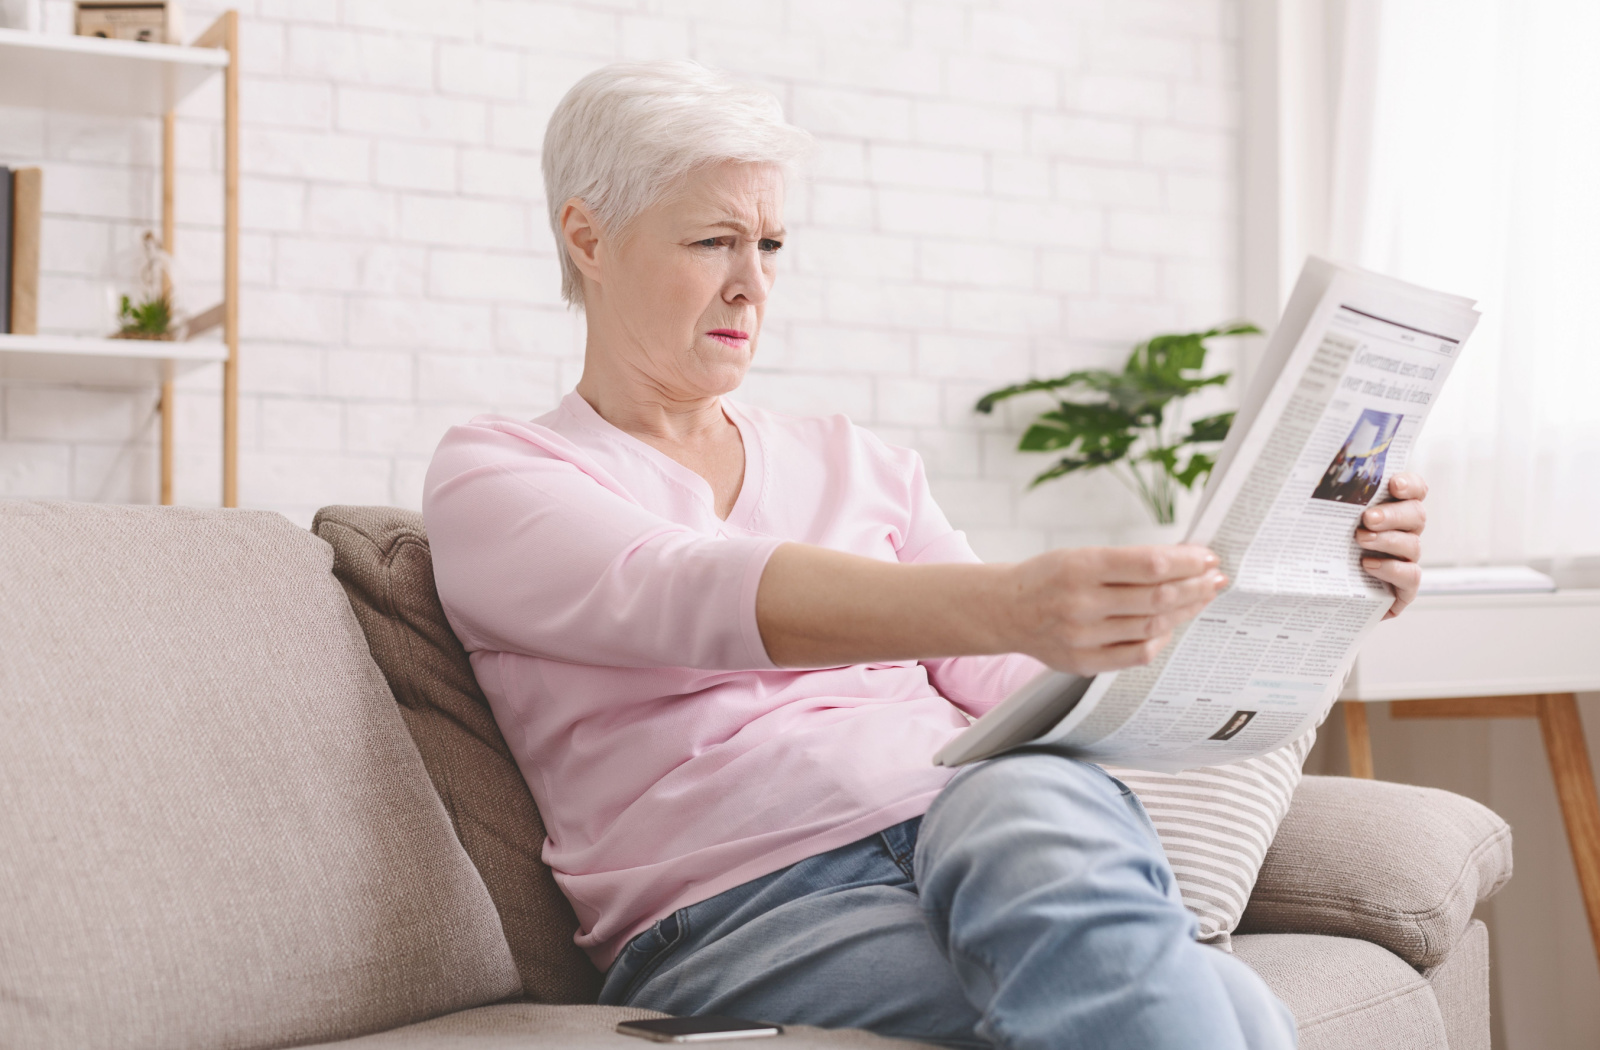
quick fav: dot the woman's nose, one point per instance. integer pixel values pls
(749, 279)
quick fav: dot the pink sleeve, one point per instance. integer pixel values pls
(972, 683)
(534, 554)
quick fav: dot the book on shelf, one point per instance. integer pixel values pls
(24, 201)
(1333, 412)
(5, 248)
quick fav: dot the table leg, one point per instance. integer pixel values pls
(1564, 743)
(1358, 741)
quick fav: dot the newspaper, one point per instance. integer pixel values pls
(1333, 411)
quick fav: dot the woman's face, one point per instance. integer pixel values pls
(683, 295)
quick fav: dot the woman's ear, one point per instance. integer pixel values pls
(580, 233)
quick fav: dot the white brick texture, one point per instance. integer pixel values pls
(1001, 188)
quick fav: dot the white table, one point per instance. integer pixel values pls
(1495, 656)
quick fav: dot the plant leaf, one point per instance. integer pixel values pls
(1211, 428)
(1199, 466)
(1097, 430)
(1232, 328)
(1067, 465)
(987, 402)
(1045, 437)
(1166, 458)
(1103, 417)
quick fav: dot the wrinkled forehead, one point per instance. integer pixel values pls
(750, 195)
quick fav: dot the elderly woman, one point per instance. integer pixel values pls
(723, 644)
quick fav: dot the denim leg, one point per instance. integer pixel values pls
(1263, 1017)
(1045, 886)
(837, 940)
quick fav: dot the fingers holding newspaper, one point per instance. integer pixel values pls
(1097, 609)
(1392, 533)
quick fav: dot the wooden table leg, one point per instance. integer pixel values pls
(1358, 742)
(1565, 745)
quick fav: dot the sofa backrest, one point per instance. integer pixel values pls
(214, 827)
(381, 556)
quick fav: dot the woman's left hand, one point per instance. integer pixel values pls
(1393, 533)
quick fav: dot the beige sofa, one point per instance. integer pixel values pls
(244, 806)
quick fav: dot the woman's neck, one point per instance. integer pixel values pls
(629, 391)
(694, 431)
(650, 413)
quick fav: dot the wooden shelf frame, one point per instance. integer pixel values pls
(82, 74)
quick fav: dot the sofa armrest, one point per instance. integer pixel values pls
(1394, 864)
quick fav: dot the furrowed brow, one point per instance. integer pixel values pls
(740, 228)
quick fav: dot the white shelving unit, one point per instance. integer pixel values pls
(125, 79)
(74, 359)
(89, 75)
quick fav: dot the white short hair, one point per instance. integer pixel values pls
(626, 133)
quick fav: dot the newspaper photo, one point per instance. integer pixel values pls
(1335, 407)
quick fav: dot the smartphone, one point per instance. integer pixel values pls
(697, 1029)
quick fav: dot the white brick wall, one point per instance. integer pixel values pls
(1001, 188)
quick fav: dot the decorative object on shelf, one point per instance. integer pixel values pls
(21, 14)
(1126, 420)
(153, 315)
(150, 319)
(20, 219)
(147, 21)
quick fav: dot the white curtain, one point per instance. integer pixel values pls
(1466, 157)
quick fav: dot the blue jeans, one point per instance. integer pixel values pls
(1031, 907)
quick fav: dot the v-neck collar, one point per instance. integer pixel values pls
(750, 489)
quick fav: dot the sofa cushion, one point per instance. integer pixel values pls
(1398, 865)
(1216, 823)
(1346, 994)
(216, 830)
(525, 1026)
(381, 556)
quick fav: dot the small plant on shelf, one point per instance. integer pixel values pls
(153, 315)
(149, 319)
(1128, 421)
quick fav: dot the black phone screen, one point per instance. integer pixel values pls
(698, 1029)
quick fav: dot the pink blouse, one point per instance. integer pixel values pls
(610, 616)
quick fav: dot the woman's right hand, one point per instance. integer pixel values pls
(1094, 609)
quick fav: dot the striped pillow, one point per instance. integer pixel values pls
(1216, 823)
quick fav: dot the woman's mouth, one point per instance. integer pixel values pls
(729, 336)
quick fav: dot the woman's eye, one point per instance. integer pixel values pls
(709, 242)
(768, 245)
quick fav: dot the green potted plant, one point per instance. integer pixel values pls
(150, 318)
(152, 312)
(1128, 422)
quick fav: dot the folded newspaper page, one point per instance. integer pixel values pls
(1331, 414)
